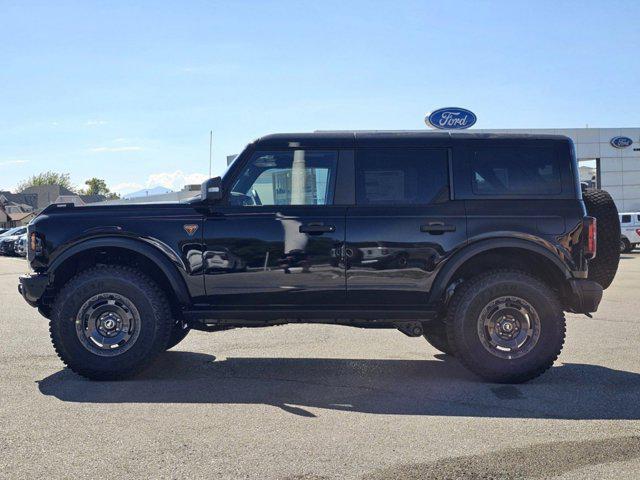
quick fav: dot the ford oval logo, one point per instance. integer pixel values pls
(450, 118)
(621, 142)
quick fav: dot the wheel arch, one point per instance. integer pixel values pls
(500, 253)
(119, 250)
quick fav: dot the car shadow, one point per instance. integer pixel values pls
(437, 386)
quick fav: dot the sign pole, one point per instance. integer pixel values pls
(210, 150)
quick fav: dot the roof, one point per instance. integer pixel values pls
(47, 194)
(92, 198)
(394, 137)
(17, 207)
(16, 217)
(30, 199)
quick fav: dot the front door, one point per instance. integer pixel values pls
(402, 227)
(276, 240)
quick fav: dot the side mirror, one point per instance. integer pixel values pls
(211, 189)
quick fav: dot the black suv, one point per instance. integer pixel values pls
(478, 242)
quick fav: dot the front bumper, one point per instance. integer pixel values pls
(32, 287)
(586, 295)
(7, 248)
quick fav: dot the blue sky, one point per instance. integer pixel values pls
(128, 91)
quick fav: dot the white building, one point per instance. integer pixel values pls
(617, 170)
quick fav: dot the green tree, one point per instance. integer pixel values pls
(47, 178)
(97, 186)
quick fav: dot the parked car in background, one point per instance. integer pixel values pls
(21, 246)
(629, 231)
(2, 230)
(8, 240)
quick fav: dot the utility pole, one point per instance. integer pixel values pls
(210, 150)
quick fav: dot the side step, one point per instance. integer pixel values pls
(312, 316)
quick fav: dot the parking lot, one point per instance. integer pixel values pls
(315, 402)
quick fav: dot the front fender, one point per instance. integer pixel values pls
(164, 258)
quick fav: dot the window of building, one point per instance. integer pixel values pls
(516, 171)
(295, 177)
(400, 176)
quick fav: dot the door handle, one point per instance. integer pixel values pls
(316, 228)
(437, 228)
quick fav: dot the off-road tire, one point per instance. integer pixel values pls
(178, 333)
(625, 245)
(472, 296)
(436, 335)
(600, 205)
(155, 322)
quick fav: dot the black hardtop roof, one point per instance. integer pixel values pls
(351, 138)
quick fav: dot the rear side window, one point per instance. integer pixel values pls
(516, 171)
(400, 176)
(625, 218)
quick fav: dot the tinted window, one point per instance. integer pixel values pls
(294, 177)
(400, 176)
(516, 171)
(625, 218)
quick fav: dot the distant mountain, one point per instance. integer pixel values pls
(147, 192)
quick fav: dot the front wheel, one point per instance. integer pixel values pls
(505, 326)
(108, 322)
(178, 333)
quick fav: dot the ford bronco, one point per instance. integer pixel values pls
(477, 242)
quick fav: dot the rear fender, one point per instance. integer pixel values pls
(448, 272)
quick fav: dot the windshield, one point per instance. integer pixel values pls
(11, 231)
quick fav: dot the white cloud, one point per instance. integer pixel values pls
(126, 187)
(116, 149)
(12, 162)
(95, 123)
(173, 180)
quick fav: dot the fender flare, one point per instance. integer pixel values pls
(168, 266)
(467, 253)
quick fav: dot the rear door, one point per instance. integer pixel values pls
(404, 224)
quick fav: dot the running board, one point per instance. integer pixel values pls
(312, 316)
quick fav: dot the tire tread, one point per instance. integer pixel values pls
(151, 290)
(462, 295)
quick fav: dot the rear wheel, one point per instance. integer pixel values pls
(505, 326)
(436, 334)
(109, 322)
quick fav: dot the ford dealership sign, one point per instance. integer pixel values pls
(621, 142)
(450, 118)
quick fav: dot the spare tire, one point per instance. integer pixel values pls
(600, 205)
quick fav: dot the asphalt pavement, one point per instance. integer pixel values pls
(322, 402)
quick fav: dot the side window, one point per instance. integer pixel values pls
(293, 177)
(625, 218)
(516, 171)
(400, 176)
